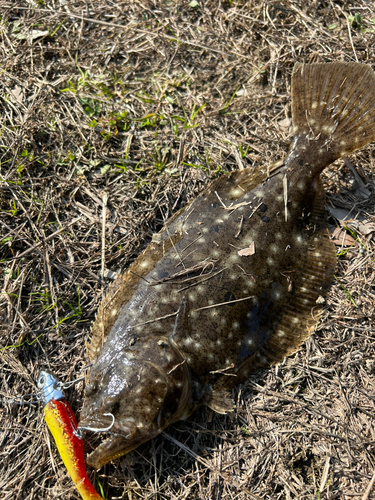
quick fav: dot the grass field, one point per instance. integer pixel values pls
(113, 115)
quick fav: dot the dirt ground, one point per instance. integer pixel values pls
(114, 114)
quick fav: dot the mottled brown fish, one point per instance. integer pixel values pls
(231, 284)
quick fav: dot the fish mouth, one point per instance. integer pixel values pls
(113, 447)
(121, 439)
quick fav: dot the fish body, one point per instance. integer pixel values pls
(231, 284)
(62, 423)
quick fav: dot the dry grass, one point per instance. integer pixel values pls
(101, 105)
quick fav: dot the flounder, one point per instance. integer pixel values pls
(231, 283)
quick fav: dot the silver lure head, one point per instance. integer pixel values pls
(48, 387)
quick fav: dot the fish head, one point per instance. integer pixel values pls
(133, 396)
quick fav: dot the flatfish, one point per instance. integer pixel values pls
(231, 283)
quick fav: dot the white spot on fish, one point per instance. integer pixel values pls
(270, 261)
(274, 248)
(280, 333)
(235, 324)
(233, 257)
(113, 312)
(235, 192)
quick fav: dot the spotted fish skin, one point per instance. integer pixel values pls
(231, 284)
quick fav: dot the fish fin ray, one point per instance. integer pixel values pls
(233, 185)
(104, 320)
(220, 401)
(336, 102)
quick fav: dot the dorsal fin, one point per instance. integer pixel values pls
(334, 102)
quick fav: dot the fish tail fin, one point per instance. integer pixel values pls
(333, 109)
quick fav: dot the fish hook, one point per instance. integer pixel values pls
(99, 429)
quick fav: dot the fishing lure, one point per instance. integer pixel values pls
(62, 423)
